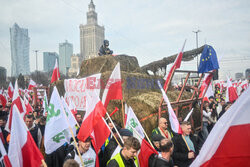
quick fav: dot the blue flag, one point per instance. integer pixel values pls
(208, 60)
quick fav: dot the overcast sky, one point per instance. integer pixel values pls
(147, 29)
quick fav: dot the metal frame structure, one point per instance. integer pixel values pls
(186, 101)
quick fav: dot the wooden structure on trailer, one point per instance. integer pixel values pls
(41, 90)
(189, 102)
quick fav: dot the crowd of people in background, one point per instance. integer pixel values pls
(173, 149)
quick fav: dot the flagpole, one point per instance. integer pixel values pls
(114, 127)
(71, 131)
(112, 133)
(134, 130)
(147, 137)
(123, 115)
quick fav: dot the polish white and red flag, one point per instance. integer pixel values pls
(32, 84)
(231, 93)
(10, 90)
(94, 113)
(113, 89)
(175, 125)
(4, 155)
(176, 65)
(209, 92)
(134, 125)
(205, 83)
(3, 100)
(244, 84)
(28, 107)
(16, 100)
(23, 151)
(228, 142)
(56, 73)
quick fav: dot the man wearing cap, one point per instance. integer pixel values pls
(156, 138)
(126, 157)
(163, 129)
(87, 153)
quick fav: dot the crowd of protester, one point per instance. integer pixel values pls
(173, 149)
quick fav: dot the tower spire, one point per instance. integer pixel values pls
(91, 6)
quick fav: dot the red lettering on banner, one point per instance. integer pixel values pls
(70, 85)
(76, 83)
(83, 86)
(91, 82)
(109, 82)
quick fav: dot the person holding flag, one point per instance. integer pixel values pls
(185, 147)
(87, 153)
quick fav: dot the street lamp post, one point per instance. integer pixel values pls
(36, 66)
(196, 34)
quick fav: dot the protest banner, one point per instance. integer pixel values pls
(75, 89)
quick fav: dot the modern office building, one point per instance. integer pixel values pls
(49, 59)
(65, 53)
(20, 47)
(3, 75)
(91, 34)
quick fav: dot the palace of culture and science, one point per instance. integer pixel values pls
(91, 35)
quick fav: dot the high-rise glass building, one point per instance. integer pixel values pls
(91, 34)
(20, 47)
(49, 60)
(65, 52)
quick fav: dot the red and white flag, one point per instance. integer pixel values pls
(209, 92)
(113, 89)
(10, 90)
(224, 146)
(32, 84)
(176, 65)
(231, 94)
(94, 113)
(3, 100)
(175, 125)
(23, 151)
(244, 84)
(4, 156)
(101, 133)
(16, 100)
(205, 83)
(28, 107)
(56, 73)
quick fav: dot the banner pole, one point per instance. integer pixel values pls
(114, 127)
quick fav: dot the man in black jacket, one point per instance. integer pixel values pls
(165, 159)
(185, 147)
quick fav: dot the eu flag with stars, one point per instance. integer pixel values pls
(208, 60)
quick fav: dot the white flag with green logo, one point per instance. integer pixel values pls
(132, 121)
(56, 129)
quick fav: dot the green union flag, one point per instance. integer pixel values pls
(56, 129)
(132, 121)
